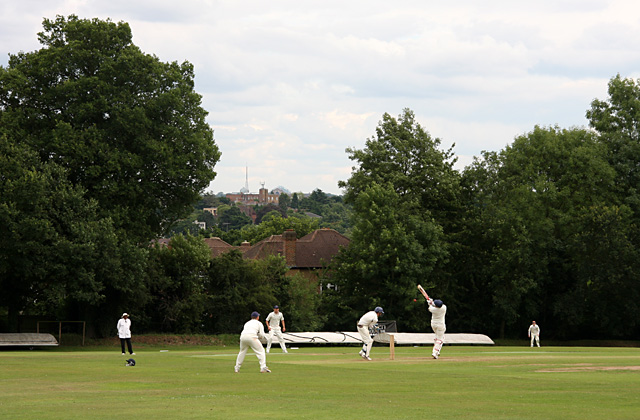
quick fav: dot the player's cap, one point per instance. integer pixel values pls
(125, 314)
(254, 314)
(438, 303)
(378, 310)
(276, 307)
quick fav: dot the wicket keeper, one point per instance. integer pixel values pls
(368, 319)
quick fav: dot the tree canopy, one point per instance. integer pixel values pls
(103, 146)
(127, 127)
(400, 188)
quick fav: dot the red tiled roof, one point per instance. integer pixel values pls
(318, 247)
(273, 245)
(218, 246)
(311, 250)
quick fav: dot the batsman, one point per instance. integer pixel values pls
(438, 310)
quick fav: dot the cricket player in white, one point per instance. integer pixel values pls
(534, 333)
(273, 323)
(368, 319)
(251, 334)
(438, 311)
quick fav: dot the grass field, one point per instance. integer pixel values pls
(322, 383)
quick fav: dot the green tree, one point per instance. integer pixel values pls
(177, 282)
(404, 191)
(264, 210)
(302, 302)
(238, 287)
(404, 155)
(523, 203)
(231, 218)
(295, 201)
(284, 201)
(55, 249)
(274, 224)
(337, 215)
(391, 251)
(606, 263)
(315, 202)
(127, 127)
(617, 121)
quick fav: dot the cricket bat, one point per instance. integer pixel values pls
(424, 293)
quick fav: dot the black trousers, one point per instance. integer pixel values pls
(128, 340)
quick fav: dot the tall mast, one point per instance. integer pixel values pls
(246, 182)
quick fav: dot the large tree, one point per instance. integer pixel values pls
(127, 127)
(392, 250)
(404, 191)
(404, 155)
(527, 210)
(177, 283)
(617, 121)
(54, 247)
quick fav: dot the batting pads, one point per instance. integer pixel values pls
(437, 346)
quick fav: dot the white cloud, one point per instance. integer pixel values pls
(289, 85)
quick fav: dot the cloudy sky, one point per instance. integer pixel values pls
(290, 84)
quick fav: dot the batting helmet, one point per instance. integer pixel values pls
(438, 303)
(130, 362)
(379, 310)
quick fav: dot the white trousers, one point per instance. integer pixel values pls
(366, 339)
(439, 330)
(256, 346)
(278, 333)
(535, 337)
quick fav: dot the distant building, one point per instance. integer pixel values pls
(280, 190)
(251, 199)
(212, 210)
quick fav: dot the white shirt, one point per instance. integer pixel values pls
(437, 314)
(124, 328)
(368, 319)
(274, 319)
(534, 329)
(253, 329)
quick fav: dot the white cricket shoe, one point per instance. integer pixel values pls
(133, 354)
(435, 356)
(265, 370)
(362, 354)
(236, 369)
(367, 358)
(123, 354)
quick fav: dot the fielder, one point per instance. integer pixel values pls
(251, 334)
(438, 311)
(534, 333)
(273, 323)
(368, 319)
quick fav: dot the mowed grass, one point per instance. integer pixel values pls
(323, 383)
